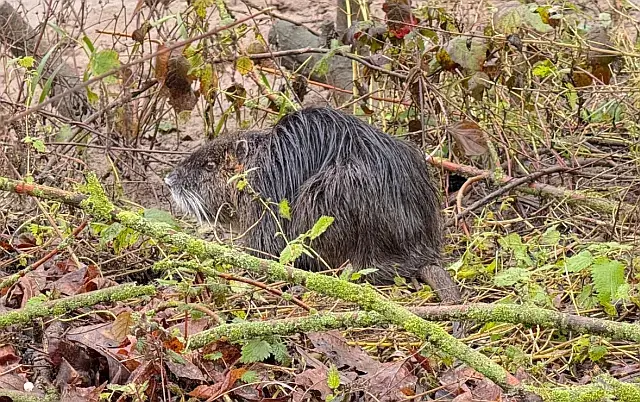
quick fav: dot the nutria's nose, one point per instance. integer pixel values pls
(167, 180)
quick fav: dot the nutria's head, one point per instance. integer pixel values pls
(199, 183)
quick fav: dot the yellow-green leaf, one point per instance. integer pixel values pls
(244, 65)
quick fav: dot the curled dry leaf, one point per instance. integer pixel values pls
(139, 34)
(172, 70)
(8, 355)
(236, 94)
(99, 338)
(469, 138)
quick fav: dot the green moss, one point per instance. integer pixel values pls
(97, 203)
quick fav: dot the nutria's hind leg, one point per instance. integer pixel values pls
(446, 289)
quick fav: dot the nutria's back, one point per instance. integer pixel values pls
(325, 162)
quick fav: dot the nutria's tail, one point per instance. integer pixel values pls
(446, 289)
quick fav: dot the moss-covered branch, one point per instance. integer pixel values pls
(603, 388)
(55, 308)
(531, 315)
(314, 323)
(19, 396)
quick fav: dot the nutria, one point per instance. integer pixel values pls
(324, 162)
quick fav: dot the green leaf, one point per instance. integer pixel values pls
(321, 226)
(104, 61)
(578, 262)
(513, 242)
(158, 215)
(249, 376)
(26, 62)
(543, 69)
(551, 237)
(111, 232)
(357, 275)
(512, 18)
(36, 143)
(291, 252)
(511, 276)
(333, 377)
(256, 350)
(472, 57)
(244, 65)
(92, 96)
(213, 356)
(88, 44)
(285, 210)
(597, 352)
(279, 352)
(607, 276)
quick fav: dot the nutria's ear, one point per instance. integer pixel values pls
(241, 149)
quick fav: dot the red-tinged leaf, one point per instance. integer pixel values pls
(487, 390)
(96, 284)
(125, 355)
(392, 381)
(25, 241)
(230, 353)
(20, 293)
(67, 375)
(8, 355)
(174, 344)
(148, 371)
(424, 362)
(400, 18)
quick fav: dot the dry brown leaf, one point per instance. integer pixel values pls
(391, 382)
(99, 338)
(121, 325)
(333, 345)
(12, 381)
(162, 62)
(214, 391)
(88, 394)
(469, 138)
(185, 369)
